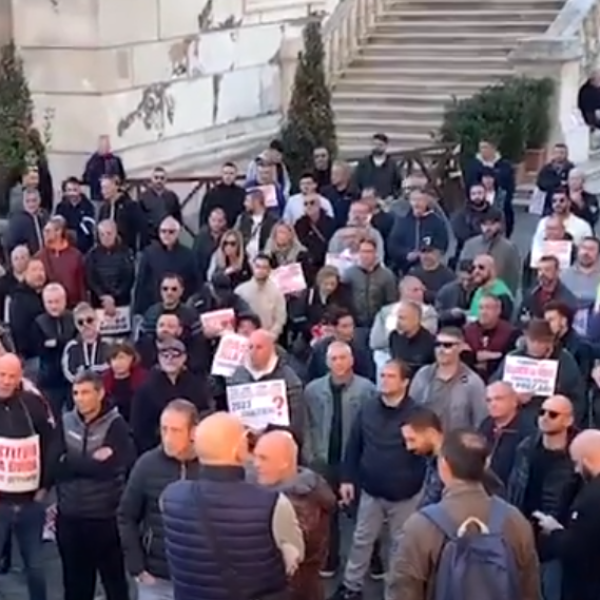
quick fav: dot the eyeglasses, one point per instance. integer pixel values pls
(169, 288)
(85, 321)
(551, 414)
(170, 354)
(310, 203)
(229, 243)
(445, 345)
(168, 231)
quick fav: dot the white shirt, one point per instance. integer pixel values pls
(576, 227)
(253, 245)
(294, 208)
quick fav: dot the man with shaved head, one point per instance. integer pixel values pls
(26, 438)
(574, 539)
(263, 364)
(276, 464)
(504, 428)
(543, 480)
(226, 537)
(165, 256)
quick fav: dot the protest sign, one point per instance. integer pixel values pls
(218, 321)
(117, 324)
(270, 194)
(342, 262)
(20, 465)
(562, 249)
(581, 321)
(531, 376)
(230, 354)
(259, 404)
(289, 278)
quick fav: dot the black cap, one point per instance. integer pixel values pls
(427, 245)
(221, 281)
(172, 344)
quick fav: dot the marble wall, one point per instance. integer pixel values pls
(166, 80)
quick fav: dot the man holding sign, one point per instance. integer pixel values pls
(262, 366)
(26, 436)
(542, 370)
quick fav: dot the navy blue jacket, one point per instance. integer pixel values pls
(241, 515)
(409, 233)
(376, 456)
(504, 442)
(81, 219)
(99, 165)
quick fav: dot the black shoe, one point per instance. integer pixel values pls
(377, 570)
(343, 593)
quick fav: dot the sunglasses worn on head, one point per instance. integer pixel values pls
(85, 321)
(551, 414)
(445, 345)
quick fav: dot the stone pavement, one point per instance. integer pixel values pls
(12, 585)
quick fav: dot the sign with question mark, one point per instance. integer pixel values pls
(260, 404)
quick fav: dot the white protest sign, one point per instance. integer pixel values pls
(289, 278)
(259, 404)
(562, 249)
(537, 201)
(270, 194)
(581, 320)
(218, 320)
(117, 324)
(230, 354)
(531, 376)
(20, 465)
(342, 262)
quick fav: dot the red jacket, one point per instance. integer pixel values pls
(137, 377)
(65, 266)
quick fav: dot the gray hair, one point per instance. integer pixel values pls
(337, 345)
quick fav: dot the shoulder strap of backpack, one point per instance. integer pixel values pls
(440, 518)
(499, 510)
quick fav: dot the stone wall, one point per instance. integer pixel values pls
(171, 81)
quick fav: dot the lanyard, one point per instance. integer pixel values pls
(90, 357)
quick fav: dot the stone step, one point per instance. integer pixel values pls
(458, 28)
(366, 98)
(359, 144)
(461, 51)
(372, 83)
(424, 75)
(475, 61)
(443, 37)
(410, 13)
(515, 6)
(393, 126)
(374, 109)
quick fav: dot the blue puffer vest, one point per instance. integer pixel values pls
(241, 515)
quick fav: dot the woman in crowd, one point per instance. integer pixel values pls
(123, 377)
(88, 350)
(19, 258)
(230, 259)
(284, 248)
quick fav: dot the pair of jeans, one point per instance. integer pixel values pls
(25, 522)
(88, 547)
(551, 580)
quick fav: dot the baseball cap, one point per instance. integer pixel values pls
(172, 344)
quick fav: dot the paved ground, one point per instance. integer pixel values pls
(12, 587)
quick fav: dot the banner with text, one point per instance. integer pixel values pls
(259, 404)
(531, 376)
(230, 354)
(20, 465)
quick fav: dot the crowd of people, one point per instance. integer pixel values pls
(203, 420)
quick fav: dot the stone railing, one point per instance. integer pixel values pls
(345, 29)
(566, 52)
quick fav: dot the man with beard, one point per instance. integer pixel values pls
(494, 242)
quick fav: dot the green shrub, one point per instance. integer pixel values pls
(18, 139)
(309, 122)
(514, 113)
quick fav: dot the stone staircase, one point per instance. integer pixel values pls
(417, 54)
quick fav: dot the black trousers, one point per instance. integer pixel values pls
(88, 547)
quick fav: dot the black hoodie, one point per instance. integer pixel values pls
(25, 306)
